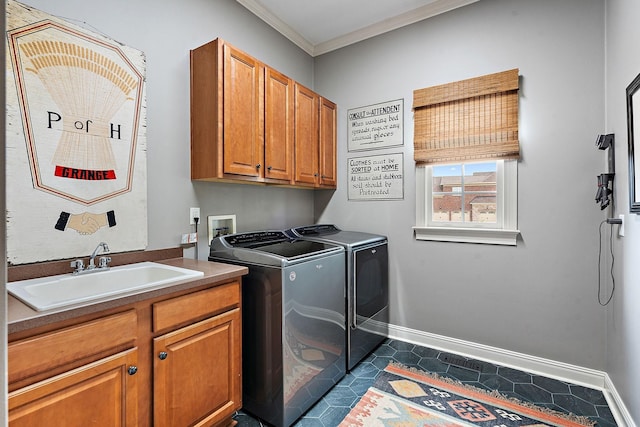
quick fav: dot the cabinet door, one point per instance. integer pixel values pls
(197, 372)
(278, 149)
(306, 136)
(328, 146)
(103, 393)
(243, 114)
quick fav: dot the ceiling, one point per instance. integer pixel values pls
(320, 26)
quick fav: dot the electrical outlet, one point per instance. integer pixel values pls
(621, 228)
(194, 213)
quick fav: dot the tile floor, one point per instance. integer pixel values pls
(542, 391)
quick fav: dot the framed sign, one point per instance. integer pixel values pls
(376, 126)
(376, 177)
(633, 128)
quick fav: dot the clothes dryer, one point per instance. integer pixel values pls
(367, 281)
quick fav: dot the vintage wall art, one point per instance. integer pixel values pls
(376, 126)
(378, 177)
(76, 147)
(633, 126)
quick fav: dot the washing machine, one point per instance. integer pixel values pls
(293, 320)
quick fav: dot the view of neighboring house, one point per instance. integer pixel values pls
(472, 197)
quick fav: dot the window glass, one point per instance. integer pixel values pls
(464, 193)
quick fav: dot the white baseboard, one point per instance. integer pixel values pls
(536, 365)
(620, 412)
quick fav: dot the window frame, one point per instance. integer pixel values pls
(504, 232)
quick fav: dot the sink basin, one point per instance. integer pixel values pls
(46, 293)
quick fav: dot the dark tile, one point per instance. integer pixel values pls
(381, 362)
(318, 409)
(605, 414)
(463, 374)
(514, 375)
(341, 396)
(532, 393)
(407, 358)
(333, 416)
(425, 352)
(360, 386)
(365, 370)
(495, 382)
(385, 350)
(588, 394)
(551, 385)
(309, 422)
(433, 365)
(575, 405)
(401, 345)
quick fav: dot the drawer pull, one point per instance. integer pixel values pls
(132, 370)
(162, 355)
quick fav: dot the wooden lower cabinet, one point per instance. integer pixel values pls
(170, 361)
(196, 373)
(103, 393)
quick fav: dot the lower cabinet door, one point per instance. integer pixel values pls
(197, 373)
(103, 393)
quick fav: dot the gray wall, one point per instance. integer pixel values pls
(538, 298)
(165, 31)
(623, 320)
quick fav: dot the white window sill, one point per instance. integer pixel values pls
(490, 236)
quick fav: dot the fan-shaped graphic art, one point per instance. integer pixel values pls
(63, 68)
(81, 101)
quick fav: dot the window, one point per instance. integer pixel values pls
(466, 149)
(481, 209)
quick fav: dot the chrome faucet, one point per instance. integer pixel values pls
(103, 263)
(103, 260)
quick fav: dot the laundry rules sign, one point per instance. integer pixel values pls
(376, 177)
(76, 145)
(376, 126)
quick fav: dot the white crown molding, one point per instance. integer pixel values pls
(432, 9)
(279, 25)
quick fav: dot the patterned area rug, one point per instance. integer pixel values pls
(406, 397)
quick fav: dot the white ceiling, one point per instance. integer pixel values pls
(320, 26)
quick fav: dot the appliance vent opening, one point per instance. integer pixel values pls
(461, 362)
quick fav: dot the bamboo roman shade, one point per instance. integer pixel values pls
(467, 120)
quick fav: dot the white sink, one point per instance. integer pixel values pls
(46, 293)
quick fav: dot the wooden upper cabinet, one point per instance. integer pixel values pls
(278, 149)
(306, 136)
(328, 144)
(243, 113)
(252, 123)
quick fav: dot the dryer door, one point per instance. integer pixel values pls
(371, 282)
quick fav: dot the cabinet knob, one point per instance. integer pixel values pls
(162, 355)
(132, 370)
(315, 174)
(269, 168)
(258, 166)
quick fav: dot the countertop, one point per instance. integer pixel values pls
(21, 317)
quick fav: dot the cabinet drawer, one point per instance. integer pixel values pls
(46, 354)
(188, 308)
